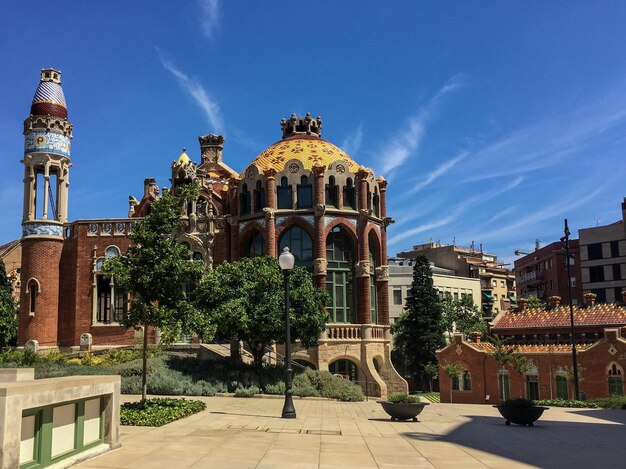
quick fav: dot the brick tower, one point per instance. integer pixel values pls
(47, 134)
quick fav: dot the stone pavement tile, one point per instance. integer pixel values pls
(349, 427)
(210, 462)
(340, 443)
(445, 462)
(120, 458)
(166, 458)
(438, 449)
(342, 459)
(296, 457)
(302, 441)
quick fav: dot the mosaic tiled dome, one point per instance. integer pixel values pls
(302, 141)
(49, 97)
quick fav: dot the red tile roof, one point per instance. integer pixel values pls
(536, 348)
(598, 315)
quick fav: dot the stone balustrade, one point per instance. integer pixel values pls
(345, 332)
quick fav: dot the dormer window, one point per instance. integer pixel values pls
(244, 200)
(259, 197)
(349, 195)
(305, 193)
(284, 194)
(332, 193)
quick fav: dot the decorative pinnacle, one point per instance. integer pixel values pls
(50, 74)
(301, 125)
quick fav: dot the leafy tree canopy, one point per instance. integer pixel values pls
(418, 332)
(462, 316)
(245, 300)
(534, 302)
(154, 269)
(8, 310)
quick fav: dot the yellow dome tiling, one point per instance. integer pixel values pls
(310, 151)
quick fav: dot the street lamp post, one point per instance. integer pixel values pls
(565, 241)
(286, 262)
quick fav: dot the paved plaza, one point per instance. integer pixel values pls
(249, 433)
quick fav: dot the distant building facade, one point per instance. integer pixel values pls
(543, 273)
(603, 260)
(543, 337)
(497, 282)
(444, 280)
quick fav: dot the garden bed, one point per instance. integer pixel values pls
(158, 412)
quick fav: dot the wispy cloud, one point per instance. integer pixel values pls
(209, 17)
(442, 169)
(457, 211)
(405, 144)
(197, 92)
(352, 143)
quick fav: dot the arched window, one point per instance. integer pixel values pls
(340, 279)
(259, 197)
(376, 202)
(111, 301)
(244, 200)
(300, 244)
(284, 194)
(349, 195)
(373, 255)
(344, 368)
(255, 246)
(616, 380)
(305, 193)
(332, 193)
(33, 291)
(462, 382)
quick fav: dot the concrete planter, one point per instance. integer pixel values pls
(520, 415)
(403, 411)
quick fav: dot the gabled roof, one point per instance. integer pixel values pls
(606, 314)
(8, 247)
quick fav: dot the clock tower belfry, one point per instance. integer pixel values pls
(47, 136)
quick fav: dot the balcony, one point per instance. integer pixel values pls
(529, 277)
(355, 333)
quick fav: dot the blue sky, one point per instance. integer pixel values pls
(493, 121)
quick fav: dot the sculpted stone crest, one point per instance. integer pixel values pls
(382, 273)
(320, 210)
(363, 269)
(319, 266)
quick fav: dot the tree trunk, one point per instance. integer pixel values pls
(144, 370)
(235, 351)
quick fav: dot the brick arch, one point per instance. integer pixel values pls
(347, 226)
(304, 358)
(248, 232)
(371, 230)
(342, 356)
(618, 367)
(294, 221)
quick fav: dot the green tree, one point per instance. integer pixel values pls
(8, 310)
(245, 300)
(453, 370)
(535, 302)
(503, 356)
(521, 365)
(462, 316)
(154, 269)
(432, 371)
(418, 332)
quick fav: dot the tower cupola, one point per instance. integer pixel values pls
(301, 126)
(49, 98)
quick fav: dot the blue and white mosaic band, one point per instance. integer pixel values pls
(49, 92)
(40, 141)
(37, 229)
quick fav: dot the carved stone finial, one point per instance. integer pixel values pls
(319, 266)
(320, 210)
(362, 268)
(301, 125)
(269, 213)
(382, 273)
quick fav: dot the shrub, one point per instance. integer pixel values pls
(611, 402)
(169, 383)
(158, 412)
(329, 386)
(400, 398)
(246, 392)
(131, 385)
(53, 356)
(305, 391)
(566, 403)
(15, 357)
(519, 403)
(277, 389)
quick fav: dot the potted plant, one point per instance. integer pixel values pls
(520, 411)
(403, 406)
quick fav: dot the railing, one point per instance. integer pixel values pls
(529, 277)
(378, 332)
(343, 331)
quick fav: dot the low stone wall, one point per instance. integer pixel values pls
(56, 421)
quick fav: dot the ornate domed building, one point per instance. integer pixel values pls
(302, 192)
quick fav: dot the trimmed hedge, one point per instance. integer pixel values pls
(158, 412)
(401, 398)
(247, 392)
(566, 403)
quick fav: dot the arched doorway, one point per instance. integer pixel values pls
(345, 368)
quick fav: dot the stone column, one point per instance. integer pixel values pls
(271, 242)
(382, 272)
(319, 242)
(363, 265)
(234, 222)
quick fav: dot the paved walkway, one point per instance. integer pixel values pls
(249, 433)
